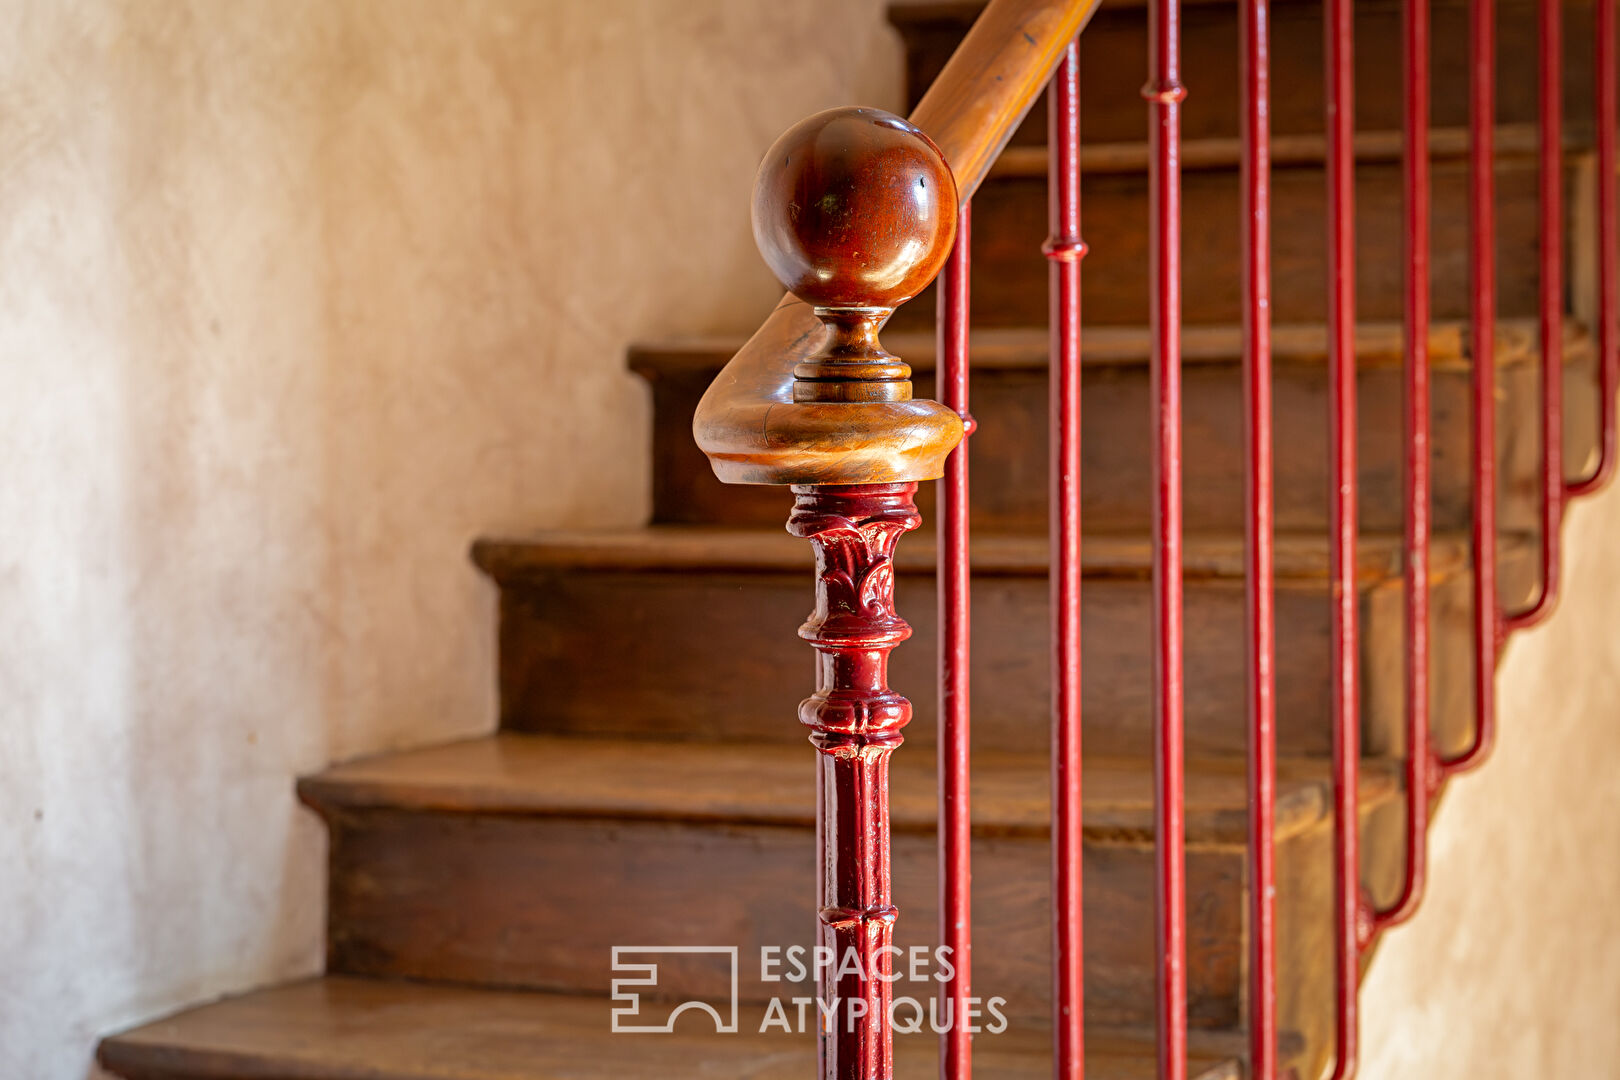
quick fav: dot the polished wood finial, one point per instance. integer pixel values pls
(855, 211)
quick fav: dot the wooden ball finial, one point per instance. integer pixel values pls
(855, 211)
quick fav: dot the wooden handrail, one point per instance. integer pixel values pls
(748, 423)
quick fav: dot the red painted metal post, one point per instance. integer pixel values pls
(855, 721)
(1606, 118)
(1551, 107)
(955, 622)
(1482, 334)
(1255, 31)
(1164, 93)
(1415, 481)
(1339, 26)
(1065, 248)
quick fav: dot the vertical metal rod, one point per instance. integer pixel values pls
(1606, 118)
(1415, 480)
(1482, 335)
(1339, 25)
(1255, 31)
(1164, 93)
(1551, 107)
(1065, 248)
(955, 622)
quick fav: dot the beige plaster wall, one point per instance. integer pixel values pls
(296, 298)
(1511, 969)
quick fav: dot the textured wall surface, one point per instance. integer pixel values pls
(298, 297)
(1511, 969)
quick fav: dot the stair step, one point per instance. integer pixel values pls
(1028, 348)
(1009, 458)
(1113, 66)
(1010, 223)
(772, 784)
(1287, 151)
(338, 1028)
(678, 548)
(472, 862)
(665, 632)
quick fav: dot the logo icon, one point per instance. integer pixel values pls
(626, 992)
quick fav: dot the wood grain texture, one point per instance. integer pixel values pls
(480, 899)
(1024, 348)
(854, 208)
(1113, 52)
(1287, 151)
(340, 1028)
(1009, 282)
(1300, 557)
(684, 606)
(1009, 459)
(748, 423)
(430, 879)
(769, 784)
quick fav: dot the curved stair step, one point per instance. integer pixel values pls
(471, 862)
(338, 1028)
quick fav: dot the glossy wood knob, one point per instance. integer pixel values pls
(855, 208)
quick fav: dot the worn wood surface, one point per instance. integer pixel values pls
(431, 879)
(1383, 147)
(540, 902)
(685, 608)
(1113, 66)
(340, 1028)
(1009, 272)
(1299, 557)
(769, 784)
(1009, 459)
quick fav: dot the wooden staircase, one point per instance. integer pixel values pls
(649, 785)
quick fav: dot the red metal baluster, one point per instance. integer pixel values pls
(1065, 248)
(1258, 525)
(955, 623)
(855, 720)
(1419, 762)
(1607, 118)
(1552, 314)
(1482, 333)
(1165, 92)
(1345, 670)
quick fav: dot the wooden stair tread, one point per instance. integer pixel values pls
(1378, 344)
(674, 548)
(902, 12)
(1293, 150)
(772, 784)
(339, 1028)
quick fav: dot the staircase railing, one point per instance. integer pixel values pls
(857, 211)
(749, 423)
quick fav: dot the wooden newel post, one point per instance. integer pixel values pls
(855, 211)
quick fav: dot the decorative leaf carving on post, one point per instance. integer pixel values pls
(855, 720)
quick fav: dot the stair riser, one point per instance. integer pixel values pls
(696, 656)
(1010, 274)
(1009, 452)
(1113, 58)
(538, 902)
